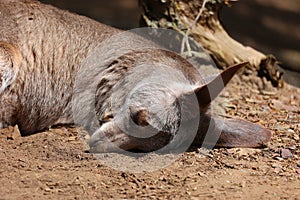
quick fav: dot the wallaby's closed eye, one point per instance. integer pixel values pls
(41, 51)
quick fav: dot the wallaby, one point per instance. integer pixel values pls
(41, 51)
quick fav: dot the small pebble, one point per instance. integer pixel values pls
(285, 153)
(14, 133)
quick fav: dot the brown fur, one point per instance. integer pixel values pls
(52, 44)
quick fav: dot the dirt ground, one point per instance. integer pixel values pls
(55, 165)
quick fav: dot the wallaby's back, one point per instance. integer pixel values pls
(51, 43)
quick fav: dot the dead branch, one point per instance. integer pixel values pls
(200, 20)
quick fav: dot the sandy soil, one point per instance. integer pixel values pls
(55, 165)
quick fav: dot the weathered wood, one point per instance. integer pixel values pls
(200, 20)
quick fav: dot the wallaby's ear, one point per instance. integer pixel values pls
(241, 133)
(207, 93)
(139, 116)
(10, 60)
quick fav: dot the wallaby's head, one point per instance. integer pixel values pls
(165, 105)
(157, 110)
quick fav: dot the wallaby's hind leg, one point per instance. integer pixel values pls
(10, 60)
(9, 64)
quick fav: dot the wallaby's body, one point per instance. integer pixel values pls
(41, 51)
(51, 43)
